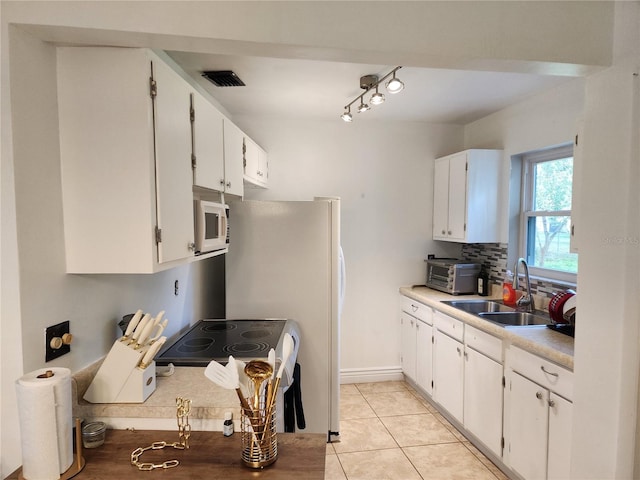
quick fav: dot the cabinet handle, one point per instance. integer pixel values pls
(414, 307)
(458, 350)
(548, 372)
(449, 232)
(443, 232)
(539, 395)
(228, 184)
(222, 181)
(466, 355)
(552, 403)
(191, 246)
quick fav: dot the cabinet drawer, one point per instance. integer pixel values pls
(417, 309)
(543, 372)
(449, 325)
(484, 343)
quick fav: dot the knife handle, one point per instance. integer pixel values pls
(151, 353)
(132, 324)
(139, 328)
(157, 331)
(156, 320)
(144, 334)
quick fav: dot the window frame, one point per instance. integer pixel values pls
(529, 160)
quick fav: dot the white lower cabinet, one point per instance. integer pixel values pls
(448, 364)
(424, 356)
(483, 399)
(408, 339)
(537, 419)
(417, 340)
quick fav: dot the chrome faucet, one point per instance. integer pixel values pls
(525, 300)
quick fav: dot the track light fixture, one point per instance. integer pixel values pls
(371, 82)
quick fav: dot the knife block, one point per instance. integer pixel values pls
(140, 384)
(120, 380)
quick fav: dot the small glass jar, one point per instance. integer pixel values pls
(93, 434)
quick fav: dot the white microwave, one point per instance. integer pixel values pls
(211, 221)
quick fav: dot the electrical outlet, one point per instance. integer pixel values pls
(53, 337)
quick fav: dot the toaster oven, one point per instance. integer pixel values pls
(451, 275)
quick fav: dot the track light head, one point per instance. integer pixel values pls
(363, 107)
(377, 98)
(346, 116)
(394, 85)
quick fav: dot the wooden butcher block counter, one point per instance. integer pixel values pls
(211, 456)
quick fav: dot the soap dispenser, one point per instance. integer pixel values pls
(508, 293)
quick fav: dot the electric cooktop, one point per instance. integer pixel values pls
(217, 339)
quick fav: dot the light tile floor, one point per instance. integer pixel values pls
(389, 432)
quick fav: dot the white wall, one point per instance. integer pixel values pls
(384, 176)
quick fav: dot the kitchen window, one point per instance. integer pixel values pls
(546, 214)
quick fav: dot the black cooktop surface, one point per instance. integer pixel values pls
(217, 339)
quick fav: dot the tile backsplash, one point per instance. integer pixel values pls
(494, 258)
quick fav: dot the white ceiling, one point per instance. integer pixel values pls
(320, 89)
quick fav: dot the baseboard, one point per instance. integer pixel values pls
(368, 375)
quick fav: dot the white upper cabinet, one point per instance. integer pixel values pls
(233, 158)
(125, 149)
(466, 197)
(208, 147)
(256, 164)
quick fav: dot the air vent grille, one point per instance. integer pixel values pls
(223, 78)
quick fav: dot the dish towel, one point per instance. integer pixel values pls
(293, 404)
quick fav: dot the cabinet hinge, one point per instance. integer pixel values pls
(432, 385)
(433, 340)
(504, 382)
(465, 227)
(158, 235)
(502, 443)
(576, 140)
(466, 167)
(153, 88)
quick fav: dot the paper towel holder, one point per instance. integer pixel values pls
(79, 463)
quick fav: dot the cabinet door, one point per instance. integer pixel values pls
(457, 196)
(233, 158)
(483, 394)
(441, 198)
(174, 177)
(424, 349)
(208, 148)
(448, 374)
(560, 421)
(408, 340)
(527, 434)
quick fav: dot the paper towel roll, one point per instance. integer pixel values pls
(45, 411)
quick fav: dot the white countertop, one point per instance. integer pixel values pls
(537, 339)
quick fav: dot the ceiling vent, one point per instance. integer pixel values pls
(223, 78)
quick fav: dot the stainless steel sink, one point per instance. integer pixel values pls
(478, 306)
(514, 318)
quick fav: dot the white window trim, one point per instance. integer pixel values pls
(551, 153)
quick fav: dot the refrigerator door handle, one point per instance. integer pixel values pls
(342, 281)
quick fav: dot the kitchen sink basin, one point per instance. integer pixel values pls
(514, 318)
(478, 306)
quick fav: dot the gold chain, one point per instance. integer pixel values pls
(184, 432)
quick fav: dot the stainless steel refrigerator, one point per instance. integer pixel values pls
(285, 261)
